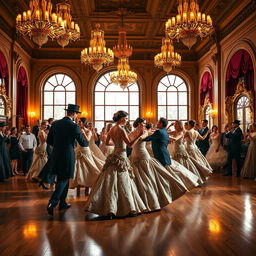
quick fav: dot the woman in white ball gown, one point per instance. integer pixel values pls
(115, 192)
(249, 168)
(216, 156)
(107, 149)
(87, 165)
(157, 186)
(94, 148)
(181, 156)
(40, 156)
(191, 136)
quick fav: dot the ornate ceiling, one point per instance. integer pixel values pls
(144, 24)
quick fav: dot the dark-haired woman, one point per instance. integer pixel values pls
(115, 192)
(107, 149)
(14, 150)
(191, 136)
(216, 156)
(148, 127)
(87, 165)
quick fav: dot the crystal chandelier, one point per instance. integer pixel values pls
(189, 23)
(167, 58)
(72, 30)
(123, 76)
(39, 22)
(97, 54)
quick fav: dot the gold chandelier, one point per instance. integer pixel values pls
(123, 76)
(71, 30)
(97, 54)
(189, 23)
(39, 22)
(167, 58)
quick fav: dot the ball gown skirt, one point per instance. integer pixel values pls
(86, 171)
(39, 161)
(106, 149)
(96, 150)
(249, 168)
(115, 190)
(216, 159)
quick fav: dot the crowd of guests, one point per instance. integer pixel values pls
(26, 152)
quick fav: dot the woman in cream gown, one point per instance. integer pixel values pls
(107, 149)
(40, 155)
(94, 148)
(216, 156)
(87, 165)
(115, 192)
(157, 186)
(191, 137)
(249, 168)
(181, 156)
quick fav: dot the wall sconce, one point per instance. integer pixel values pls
(213, 113)
(149, 114)
(84, 114)
(32, 114)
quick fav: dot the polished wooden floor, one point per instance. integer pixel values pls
(216, 219)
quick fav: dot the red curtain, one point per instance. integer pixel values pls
(4, 72)
(206, 87)
(22, 94)
(239, 66)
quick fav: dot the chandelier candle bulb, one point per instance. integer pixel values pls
(46, 15)
(184, 17)
(24, 16)
(199, 16)
(37, 15)
(178, 19)
(29, 15)
(203, 17)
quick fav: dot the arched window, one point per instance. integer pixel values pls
(172, 96)
(58, 91)
(109, 98)
(207, 115)
(2, 106)
(243, 112)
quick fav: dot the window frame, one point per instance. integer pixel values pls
(166, 97)
(243, 108)
(43, 91)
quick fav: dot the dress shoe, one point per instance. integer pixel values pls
(50, 208)
(64, 206)
(41, 184)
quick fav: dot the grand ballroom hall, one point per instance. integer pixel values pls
(127, 127)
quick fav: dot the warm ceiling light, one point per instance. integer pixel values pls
(39, 22)
(72, 30)
(167, 58)
(97, 54)
(123, 76)
(188, 24)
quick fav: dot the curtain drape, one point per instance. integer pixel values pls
(239, 66)
(4, 72)
(22, 94)
(206, 87)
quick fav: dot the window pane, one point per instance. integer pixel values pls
(52, 80)
(59, 98)
(172, 89)
(48, 112)
(66, 80)
(165, 81)
(240, 114)
(134, 113)
(117, 98)
(111, 110)
(71, 87)
(182, 87)
(172, 98)
(60, 78)
(172, 113)
(161, 98)
(71, 98)
(59, 88)
(114, 88)
(183, 113)
(48, 87)
(99, 113)
(99, 98)
(59, 112)
(134, 98)
(183, 98)
(99, 87)
(178, 81)
(104, 81)
(134, 87)
(171, 79)
(99, 126)
(161, 112)
(161, 87)
(48, 98)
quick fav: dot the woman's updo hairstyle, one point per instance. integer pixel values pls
(83, 120)
(119, 114)
(191, 123)
(138, 121)
(148, 126)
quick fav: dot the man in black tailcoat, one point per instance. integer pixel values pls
(61, 137)
(235, 136)
(204, 145)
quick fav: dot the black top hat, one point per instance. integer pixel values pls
(2, 124)
(236, 122)
(73, 108)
